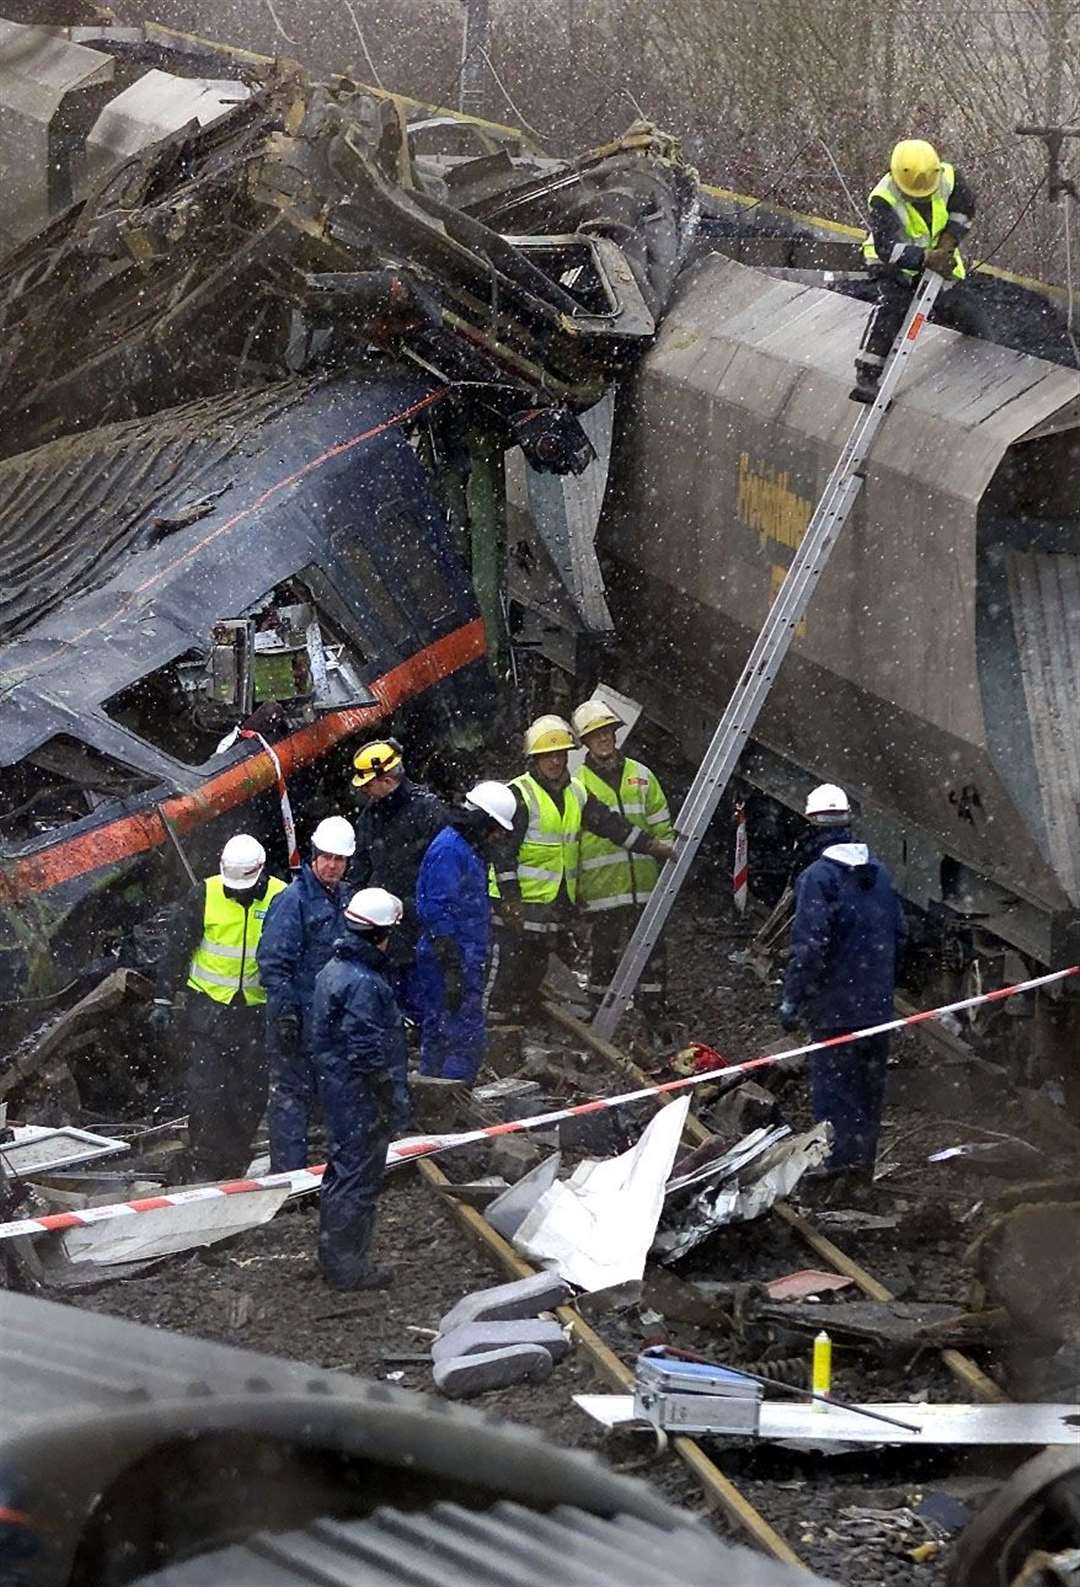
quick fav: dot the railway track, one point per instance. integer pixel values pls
(720, 1492)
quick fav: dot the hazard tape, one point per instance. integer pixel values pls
(287, 821)
(406, 1150)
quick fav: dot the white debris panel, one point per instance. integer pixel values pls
(169, 1229)
(595, 1228)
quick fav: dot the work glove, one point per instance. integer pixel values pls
(383, 1100)
(448, 953)
(660, 849)
(160, 1018)
(941, 261)
(287, 1031)
(788, 1015)
(511, 914)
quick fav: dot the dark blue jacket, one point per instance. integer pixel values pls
(297, 939)
(355, 1021)
(848, 929)
(392, 836)
(452, 898)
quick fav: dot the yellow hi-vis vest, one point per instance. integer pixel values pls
(915, 228)
(548, 855)
(224, 962)
(610, 877)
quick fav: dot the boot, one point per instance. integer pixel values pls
(374, 1278)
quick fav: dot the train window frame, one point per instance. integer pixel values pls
(187, 675)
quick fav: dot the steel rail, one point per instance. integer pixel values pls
(965, 1371)
(718, 1488)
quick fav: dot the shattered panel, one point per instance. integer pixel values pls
(73, 511)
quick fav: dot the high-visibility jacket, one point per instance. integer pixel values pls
(912, 222)
(548, 855)
(610, 877)
(224, 962)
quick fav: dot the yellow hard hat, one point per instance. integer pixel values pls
(547, 735)
(375, 760)
(592, 715)
(915, 167)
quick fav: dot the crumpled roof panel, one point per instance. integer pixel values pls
(72, 510)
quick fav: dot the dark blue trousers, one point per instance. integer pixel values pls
(847, 1086)
(292, 1102)
(357, 1140)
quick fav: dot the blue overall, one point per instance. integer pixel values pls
(848, 930)
(361, 1060)
(297, 940)
(452, 901)
(392, 836)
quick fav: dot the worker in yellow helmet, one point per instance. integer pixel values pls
(398, 820)
(536, 869)
(920, 213)
(613, 886)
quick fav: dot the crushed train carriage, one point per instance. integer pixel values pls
(257, 384)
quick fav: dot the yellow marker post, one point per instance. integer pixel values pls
(821, 1369)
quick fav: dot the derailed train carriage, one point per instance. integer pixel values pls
(257, 383)
(276, 559)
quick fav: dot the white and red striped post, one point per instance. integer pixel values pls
(740, 876)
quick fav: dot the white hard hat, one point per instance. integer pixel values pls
(242, 862)
(592, 715)
(373, 909)
(334, 835)
(495, 799)
(827, 805)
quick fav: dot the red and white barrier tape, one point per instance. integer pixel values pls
(287, 821)
(426, 1146)
(283, 795)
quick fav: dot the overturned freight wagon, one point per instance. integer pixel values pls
(936, 672)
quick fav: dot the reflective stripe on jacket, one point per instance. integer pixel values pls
(914, 226)
(548, 854)
(224, 962)
(610, 877)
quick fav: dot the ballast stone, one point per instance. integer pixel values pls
(473, 1338)
(458, 1377)
(522, 1297)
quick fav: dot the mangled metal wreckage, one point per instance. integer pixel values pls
(257, 388)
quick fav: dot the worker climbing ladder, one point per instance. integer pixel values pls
(766, 659)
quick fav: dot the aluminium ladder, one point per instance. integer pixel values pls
(766, 658)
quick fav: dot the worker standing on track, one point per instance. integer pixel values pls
(398, 821)
(613, 884)
(214, 939)
(297, 941)
(846, 939)
(537, 868)
(920, 213)
(454, 909)
(360, 1053)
